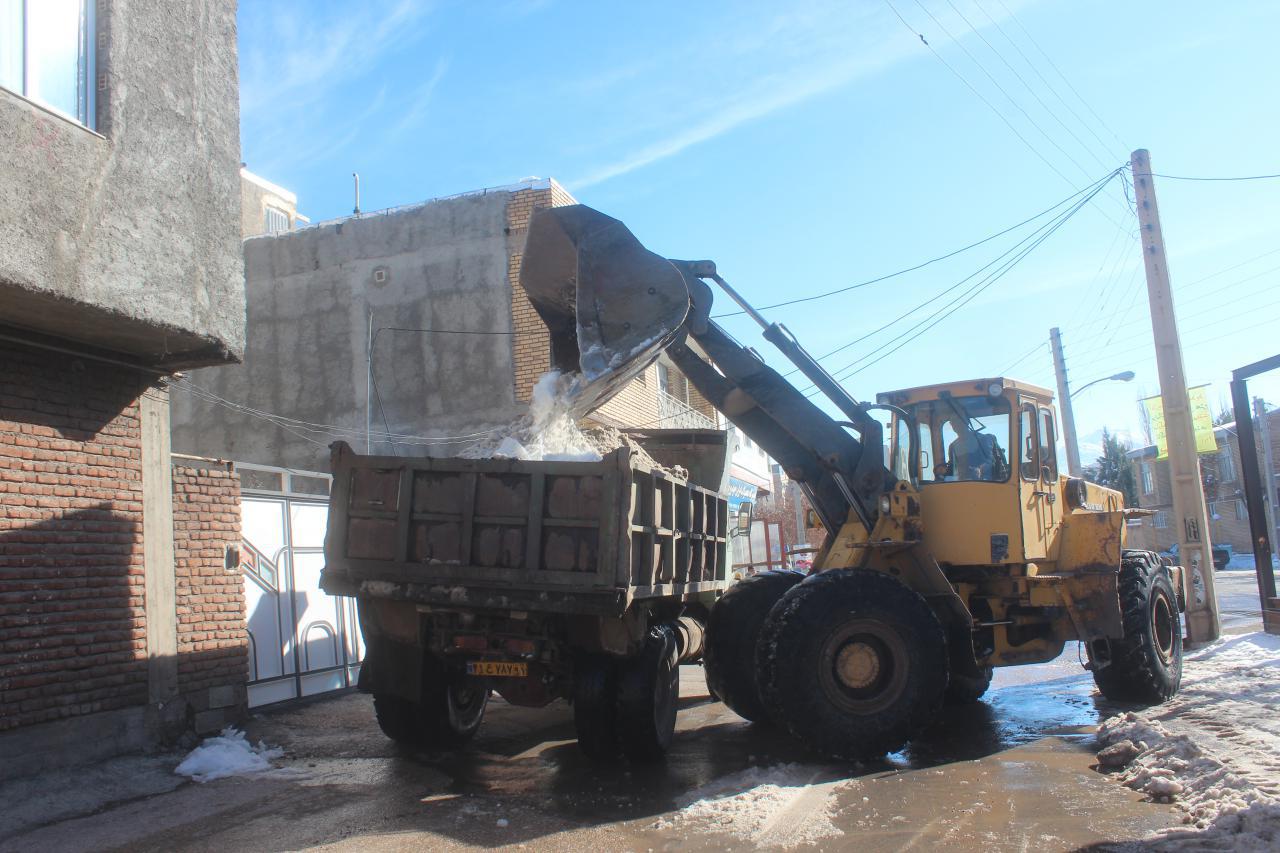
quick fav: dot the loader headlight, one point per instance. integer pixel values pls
(995, 389)
(886, 504)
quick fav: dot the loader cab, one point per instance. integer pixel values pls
(986, 466)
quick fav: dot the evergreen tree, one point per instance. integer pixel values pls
(1114, 469)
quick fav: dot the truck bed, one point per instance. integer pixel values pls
(504, 534)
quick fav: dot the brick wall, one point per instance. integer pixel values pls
(213, 643)
(72, 623)
(531, 346)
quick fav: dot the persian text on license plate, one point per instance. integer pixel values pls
(497, 668)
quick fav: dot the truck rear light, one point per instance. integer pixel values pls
(519, 646)
(471, 642)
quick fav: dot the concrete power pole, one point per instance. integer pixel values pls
(1268, 470)
(1064, 403)
(1192, 522)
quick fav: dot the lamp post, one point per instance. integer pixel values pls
(1069, 421)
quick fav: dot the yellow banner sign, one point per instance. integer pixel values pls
(1201, 422)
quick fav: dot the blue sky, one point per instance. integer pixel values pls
(809, 146)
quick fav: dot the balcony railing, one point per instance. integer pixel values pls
(677, 414)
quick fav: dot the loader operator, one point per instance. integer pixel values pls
(973, 455)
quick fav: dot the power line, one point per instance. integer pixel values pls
(1055, 67)
(1027, 86)
(1198, 178)
(979, 95)
(931, 261)
(1086, 125)
(965, 298)
(1098, 185)
(1035, 349)
(318, 428)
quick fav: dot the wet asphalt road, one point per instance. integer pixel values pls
(1009, 773)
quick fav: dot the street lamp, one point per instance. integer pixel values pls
(1123, 376)
(1069, 419)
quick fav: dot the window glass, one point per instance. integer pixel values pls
(926, 452)
(11, 44)
(53, 53)
(46, 53)
(1148, 482)
(1029, 459)
(1048, 445)
(975, 434)
(1226, 466)
(902, 450)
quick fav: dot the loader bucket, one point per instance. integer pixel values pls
(610, 304)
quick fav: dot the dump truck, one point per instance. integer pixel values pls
(537, 580)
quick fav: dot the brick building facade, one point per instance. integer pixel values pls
(84, 626)
(1220, 475)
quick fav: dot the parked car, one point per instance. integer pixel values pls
(1221, 555)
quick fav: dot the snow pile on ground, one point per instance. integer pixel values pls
(1214, 750)
(228, 754)
(781, 806)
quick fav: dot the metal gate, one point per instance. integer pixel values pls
(302, 641)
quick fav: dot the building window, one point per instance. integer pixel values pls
(1148, 480)
(46, 54)
(1242, 511)
(275, 220)
(664, 378)
(1226, 466)
(1162, 518)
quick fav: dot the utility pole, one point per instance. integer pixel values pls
(1064, 403)
(1192, 522)
(1268, 470)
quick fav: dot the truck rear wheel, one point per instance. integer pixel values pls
(732, 631)
(448, 714)
(853, 663)
(595, 707)
(648, 693)
(1145, 666)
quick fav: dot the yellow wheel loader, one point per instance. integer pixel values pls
(954, 544)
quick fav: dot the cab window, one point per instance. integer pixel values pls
(975, 438)
(1048, 444)
(1029, 459)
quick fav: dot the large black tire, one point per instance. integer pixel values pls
(853, 663)
(648, 693)
(595, 707)
(448, 714)
(967, 689)
(1145, 667)
(729, 656)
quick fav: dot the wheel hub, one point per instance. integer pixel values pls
(858, 665)
(1162, 623)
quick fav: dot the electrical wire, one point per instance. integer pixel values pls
(1028, 87)
(931, 261)
(1034, 240)
(318, 428)
(965, 298)
(1035, 349)
(1086, 125)
(1063, 77)
(1198, 178)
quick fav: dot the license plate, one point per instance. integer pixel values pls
(497, 668)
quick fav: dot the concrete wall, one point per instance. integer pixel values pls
(442, 265)
(128, 238)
